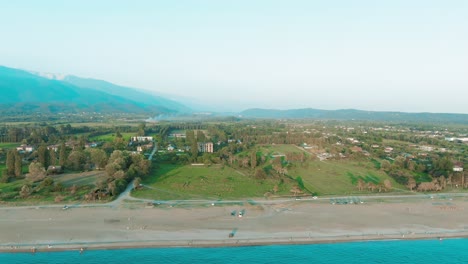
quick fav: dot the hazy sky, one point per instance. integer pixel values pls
(404, 55)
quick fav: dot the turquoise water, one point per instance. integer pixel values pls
(417, 251)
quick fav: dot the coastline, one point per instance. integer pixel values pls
(212, 244)
(137, 226)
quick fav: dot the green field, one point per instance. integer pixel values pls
(80, 179)
(203, 182)
(279, 149)
(339, 177)
(111, 136)
(9, 145)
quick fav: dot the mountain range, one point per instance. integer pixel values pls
(352, 114)
(24, 92)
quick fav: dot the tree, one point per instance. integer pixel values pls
(52, 157)
(98, 158)
(275, 188)
(385, 165)
(201, 136)
(10, 163)
(253, 159)
(141, 129)
(42, 155)
(36, 172)
(387, 184)
(25, 191)
(360, 184)
(136, 183)
(76, 160)
(62, 155)
(260, 173)
(111, 186)
(18, 165)
(194, 149)
(4, 176)
(300, 183)
(411, 183)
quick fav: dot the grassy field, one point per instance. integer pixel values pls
(9, 145)
(279, 149)
(111, 137)
(339, 177)
(203, 182)
(47, 194)
(88, 178)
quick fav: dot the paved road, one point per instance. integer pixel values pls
(126, 195)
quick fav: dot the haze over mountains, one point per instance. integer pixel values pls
(26, 92)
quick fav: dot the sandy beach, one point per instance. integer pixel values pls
(139, 225)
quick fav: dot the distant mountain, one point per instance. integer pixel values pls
(24, 92)
(126, 92)
(352, 114)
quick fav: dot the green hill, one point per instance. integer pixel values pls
(24, 92)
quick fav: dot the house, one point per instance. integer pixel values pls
(178, 135)
(205, 147)
(91, 145)
(141, 139)
(53, 147)
(457, 167)
(25, 148)
(388, 150)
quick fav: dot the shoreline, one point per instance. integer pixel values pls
(137, 226)
(109, 245)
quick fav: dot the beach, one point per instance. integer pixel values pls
(295, 222)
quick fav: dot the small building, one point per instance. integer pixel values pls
(25, 148)
(53, 147)
(205, 147)
(170, 148)
(457, 167)
(388, 150)
(141, 139)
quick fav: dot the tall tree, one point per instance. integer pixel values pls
(62, 154)
(52, 157)
(141, 129)
(76, 160)
(98, 158)
(18, 165)
(201, 136)
(194, 149)
(10, 162)
(42, 155)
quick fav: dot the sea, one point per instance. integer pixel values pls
(396, 251)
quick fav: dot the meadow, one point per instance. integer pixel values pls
(204, 182)
(111, 136)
